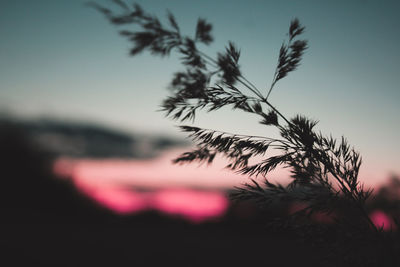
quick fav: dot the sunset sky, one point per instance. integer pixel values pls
(62, 59)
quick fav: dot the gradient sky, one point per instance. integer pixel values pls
(62, 59)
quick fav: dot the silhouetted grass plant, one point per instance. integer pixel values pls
(324, 170)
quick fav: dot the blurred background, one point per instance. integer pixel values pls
(86, 156)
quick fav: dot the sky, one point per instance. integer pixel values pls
(62, 59)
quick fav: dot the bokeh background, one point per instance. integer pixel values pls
(77, 109)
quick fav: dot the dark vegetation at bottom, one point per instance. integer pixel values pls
(149, 240)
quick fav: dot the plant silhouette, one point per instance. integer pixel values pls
(324, 170)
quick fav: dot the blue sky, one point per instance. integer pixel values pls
(62, 59)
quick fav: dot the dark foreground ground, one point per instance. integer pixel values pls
(44, 221)
(148, 242)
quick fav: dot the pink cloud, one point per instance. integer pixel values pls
(117, 199)
(107, 181)
(381, 219)
(193, 205)
(154, 173)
